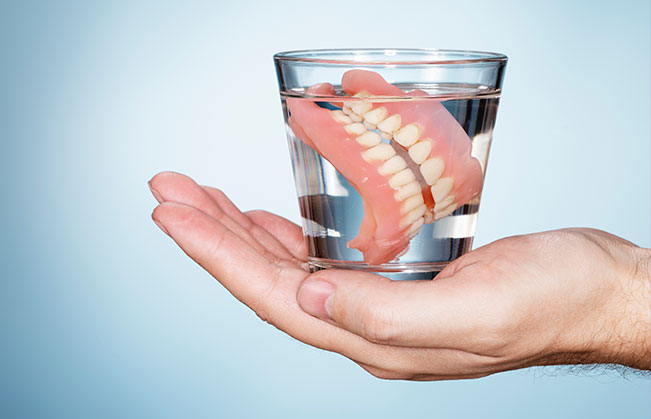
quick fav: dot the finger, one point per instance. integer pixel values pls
(248, 274)
(432, 314)
(276, 240)
(384, 374)
(228, 206)
(267, 287)
(416, 376)
(270, 289)
(288, 233)
(175, 187)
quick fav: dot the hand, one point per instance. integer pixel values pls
(559, 297)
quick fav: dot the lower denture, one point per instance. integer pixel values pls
(424, 173)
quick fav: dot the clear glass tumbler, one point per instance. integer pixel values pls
(389, 150)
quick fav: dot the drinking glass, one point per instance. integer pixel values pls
(389, 150)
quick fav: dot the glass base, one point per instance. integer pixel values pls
(392, 271)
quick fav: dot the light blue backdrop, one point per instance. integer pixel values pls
(102, 315)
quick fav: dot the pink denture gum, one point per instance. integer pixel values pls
(422, 174)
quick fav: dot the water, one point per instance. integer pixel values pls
(332, 209)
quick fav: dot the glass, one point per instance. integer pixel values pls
(389, 150)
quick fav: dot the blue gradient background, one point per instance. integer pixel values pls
(102, 315)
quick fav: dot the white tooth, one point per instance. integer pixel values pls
(447, 211)
(376, 116)
(401, 178)
(411, 203)
(355, 129)
(408, 190)
(442, 188)
(369, 139)
(386, 135)
(441, 205)
(362, 94)
(407, 135)
(380, 152)
(355, 117)
(340, 116)
(413, 215)
(432, 169)
(415, 227)
(369, 125)
(393, 165)
(419, 152)
(361, 107)
(390, 124)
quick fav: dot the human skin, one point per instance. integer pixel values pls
(571, 296)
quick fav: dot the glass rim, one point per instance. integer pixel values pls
(466, 56)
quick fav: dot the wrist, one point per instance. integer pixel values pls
(625, 328)
(613, 324)
(631, 342)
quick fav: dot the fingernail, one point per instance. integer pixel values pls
(160, 226)
(154, 192)
(315, 298)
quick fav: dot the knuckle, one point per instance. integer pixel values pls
(378, 325)
(219, 192)
(215, 250)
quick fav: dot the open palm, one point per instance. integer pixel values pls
(517, 302)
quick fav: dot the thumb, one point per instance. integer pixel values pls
(399, 313)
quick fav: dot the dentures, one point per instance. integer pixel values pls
(409, 159)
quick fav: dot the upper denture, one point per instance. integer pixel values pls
(435, 141)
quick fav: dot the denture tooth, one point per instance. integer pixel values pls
(393, 165)
(355, 129)
(369, 125)
(413, 215)
(390, 125)
(411, 203)
(441, 205)
(442, 188)
(340, 116)
(361, 107)
(401, 178)
(355, 117)
(429, 217)
(447, 211)
(380, 152)
(407, 135)
(386, 135)
(419, 152)
(432, 170)
(408, 190)
(376, 116)
(369, 139)
(415, 227)
(348, 105)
